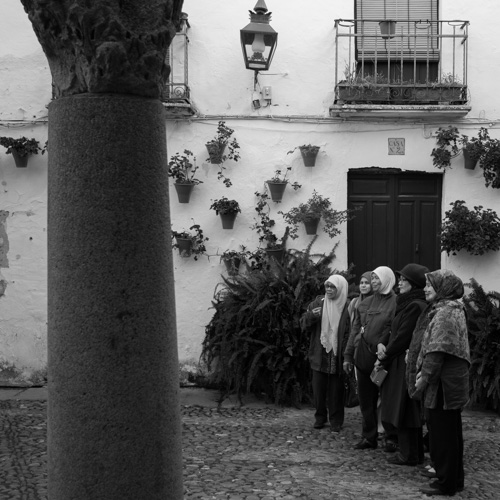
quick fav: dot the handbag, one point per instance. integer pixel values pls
(377, 376)
(351, 398)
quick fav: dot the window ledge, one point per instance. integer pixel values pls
(427, 112)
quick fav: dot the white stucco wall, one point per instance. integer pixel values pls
(302, 81)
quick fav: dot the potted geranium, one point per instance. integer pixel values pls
(217, 150)
(473, 148)
(476, 231)
(227, 210)
(490, 159)
(274, 246)
(309, 154)
(232, 259)
(191, 242)
(446, 147)
(278, 183)
(21, 149)
(182, 169)
(311, 212)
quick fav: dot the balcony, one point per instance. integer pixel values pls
(400, 69)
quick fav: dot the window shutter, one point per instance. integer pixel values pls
(416, 29)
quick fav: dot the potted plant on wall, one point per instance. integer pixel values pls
(277, 184)
(309, 154)
(490, 159)
(449, 143)
(182, 168)
(227, 210)
(232, 259)
(446, 147)
(191, 242)
(264, 225)
(21, 149)
(217, 154)
(476, 231)
(311, 212)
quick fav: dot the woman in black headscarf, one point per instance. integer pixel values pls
(399, 411)
(442, 377)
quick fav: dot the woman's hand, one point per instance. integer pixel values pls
(420, 382)
(347, 366)
(381, 351)
(317, 311)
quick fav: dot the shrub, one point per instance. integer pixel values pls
(254, 342)
(483, 322)
(476, 231)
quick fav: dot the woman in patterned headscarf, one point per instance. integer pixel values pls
(328, 320)
(371, 327)
(442, 377)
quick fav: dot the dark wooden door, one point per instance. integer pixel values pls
(398, 219)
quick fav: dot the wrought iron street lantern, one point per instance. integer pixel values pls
(258, 39)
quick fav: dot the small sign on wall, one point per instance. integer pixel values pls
(396, 146)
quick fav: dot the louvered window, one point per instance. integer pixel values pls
(415, 35)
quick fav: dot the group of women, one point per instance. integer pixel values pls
(419, 337)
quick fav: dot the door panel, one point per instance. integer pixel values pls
(398, 221)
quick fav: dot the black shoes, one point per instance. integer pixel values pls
(335, 428)
(364, 444)
(390, 447)
(319, 425)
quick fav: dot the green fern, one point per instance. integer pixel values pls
(254, 342)
(483, 321)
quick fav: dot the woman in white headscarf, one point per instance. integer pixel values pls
(371, 328)
(328, 320)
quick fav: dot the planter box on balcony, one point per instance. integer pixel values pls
(372, 94)
(402, 94)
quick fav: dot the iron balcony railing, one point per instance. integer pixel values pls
(401, 61)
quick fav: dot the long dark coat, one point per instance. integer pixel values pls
(397, 407)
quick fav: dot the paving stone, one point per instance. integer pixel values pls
(265, 453)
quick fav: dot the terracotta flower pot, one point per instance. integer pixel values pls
(311, 225)
(184, 191)
(276, 189)
(21, 161)
(228, 220)
(232, 265)
(215, 153)
(276, 253)
(387, 29)
(309, 156)
(469, 163)
(185, 246)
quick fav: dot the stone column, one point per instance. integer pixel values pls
(114, 430)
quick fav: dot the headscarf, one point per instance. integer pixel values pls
(447, 328)
(387, 279)
(446, 284)
(367, 276)
(332, 311)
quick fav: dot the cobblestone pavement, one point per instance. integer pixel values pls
(261, 453)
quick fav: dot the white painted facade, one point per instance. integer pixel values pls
(302, 82)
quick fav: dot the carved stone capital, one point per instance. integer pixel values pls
(105, 46)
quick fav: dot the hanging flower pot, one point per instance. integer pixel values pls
(185, 246)
(232, 265)
(21, 161)
(311, 225)
(215, 152)
(228, 220)
(387, 29)
(183, 191)
(469, 162)
(309, 154)
(276, 253)
(276, 189)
